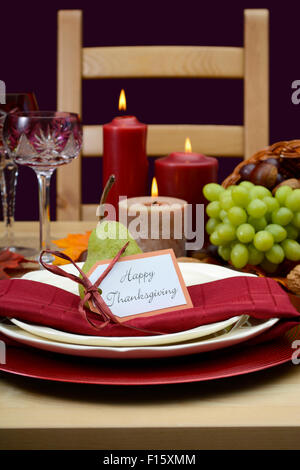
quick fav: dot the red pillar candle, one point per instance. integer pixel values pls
(183, 175)
(124, 155)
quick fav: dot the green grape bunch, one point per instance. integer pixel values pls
(251, 226)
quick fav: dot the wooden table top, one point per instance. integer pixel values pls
(254, 411)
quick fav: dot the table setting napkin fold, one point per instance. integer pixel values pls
(46, 305)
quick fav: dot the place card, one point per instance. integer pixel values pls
(142, 285)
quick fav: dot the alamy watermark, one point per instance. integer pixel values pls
(296, 354)
(2, 92)
(295, 97)
(155, 221)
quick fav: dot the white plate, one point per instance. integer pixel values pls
(193, 273)
(200, 346)
(63, 337)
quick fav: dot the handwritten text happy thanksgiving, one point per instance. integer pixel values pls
(142, 280)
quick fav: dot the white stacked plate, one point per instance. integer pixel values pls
(201, 339)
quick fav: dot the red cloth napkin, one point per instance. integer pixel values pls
(261, 298)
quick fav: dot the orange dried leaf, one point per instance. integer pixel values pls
(10, 260)
(281, 280)
(73, 245)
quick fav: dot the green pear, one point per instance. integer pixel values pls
(105, 242)
(107, 239)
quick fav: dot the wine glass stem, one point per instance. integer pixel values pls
(8, 182)
(44, 178)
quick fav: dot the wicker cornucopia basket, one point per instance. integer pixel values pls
(269, 167)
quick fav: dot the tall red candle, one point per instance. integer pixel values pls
(183, 175)
(124, 155)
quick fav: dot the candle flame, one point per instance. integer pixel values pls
(154, 188)
(188, 145)
(122, 101)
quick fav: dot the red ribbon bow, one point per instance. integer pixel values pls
(91, 291)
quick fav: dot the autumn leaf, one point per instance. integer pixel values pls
(10, 260)
(73, 245)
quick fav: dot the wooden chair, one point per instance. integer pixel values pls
(250, 63)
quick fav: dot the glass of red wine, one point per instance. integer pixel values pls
(43, 141)
(9, 170)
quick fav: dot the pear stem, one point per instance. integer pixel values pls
(105, 192)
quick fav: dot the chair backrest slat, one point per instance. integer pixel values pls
(225, 141)
(163, 61)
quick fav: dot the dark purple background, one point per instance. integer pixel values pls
(28, 62)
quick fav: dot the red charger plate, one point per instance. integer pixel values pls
(230, 362)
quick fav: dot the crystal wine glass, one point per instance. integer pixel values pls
(9, 170)
(43, 140)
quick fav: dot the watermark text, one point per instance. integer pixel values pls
(2, 92)
(155, 222)
(296, 94)
(2, 352)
